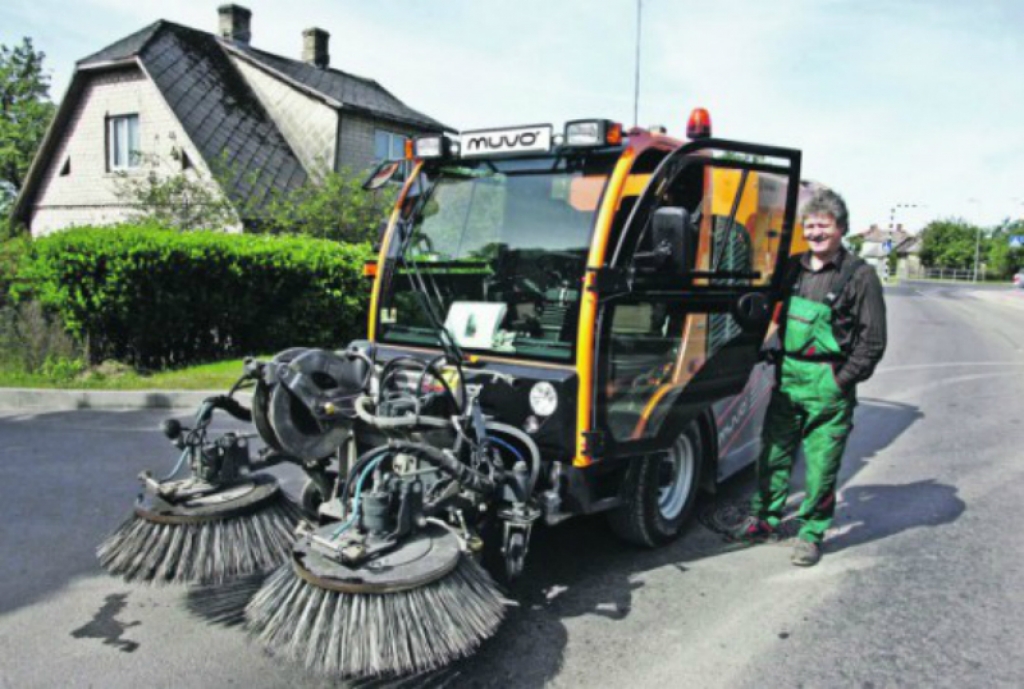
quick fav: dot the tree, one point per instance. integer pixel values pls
(184, 200)
(332, 205)
(25, 113)
(948, 243)
(1002, 260)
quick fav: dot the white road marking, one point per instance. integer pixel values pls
(947, 364)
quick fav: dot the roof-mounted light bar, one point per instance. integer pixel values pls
(589, 133)
(432, 146)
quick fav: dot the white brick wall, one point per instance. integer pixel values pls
(357, 135)
(88, 195)
(308, 125)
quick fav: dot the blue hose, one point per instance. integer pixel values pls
(501, 443)
(181, 460)
(356, 498)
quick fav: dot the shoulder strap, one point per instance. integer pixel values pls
(850, 266)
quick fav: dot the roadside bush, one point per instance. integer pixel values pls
(11, 253)
(153, 297)
(34, 342)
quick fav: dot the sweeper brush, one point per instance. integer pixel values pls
(388, 583)
(223, 521)
(206, 540)
(415, 610)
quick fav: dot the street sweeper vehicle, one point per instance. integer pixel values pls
(561, 324)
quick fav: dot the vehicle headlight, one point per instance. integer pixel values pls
(543, 399)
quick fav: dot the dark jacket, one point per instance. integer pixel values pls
(858, 321)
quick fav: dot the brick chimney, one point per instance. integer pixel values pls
(234, 23)
(314, 47)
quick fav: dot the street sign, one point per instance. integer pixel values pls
(1017, 241)
(887, 246)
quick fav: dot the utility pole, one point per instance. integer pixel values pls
(977, 241)
(636, 81)
(892, 213)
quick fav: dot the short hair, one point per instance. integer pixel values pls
(827, 202)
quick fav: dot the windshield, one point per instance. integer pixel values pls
(500, 247)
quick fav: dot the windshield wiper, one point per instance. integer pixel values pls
(448, 344)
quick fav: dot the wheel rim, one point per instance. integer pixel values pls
(678, 465)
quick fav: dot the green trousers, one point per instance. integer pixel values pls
(807, 407)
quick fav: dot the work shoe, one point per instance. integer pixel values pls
(752, 530)
(806, 553)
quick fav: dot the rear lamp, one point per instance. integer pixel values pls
(583, 133)
(433, 146)
(699, 124)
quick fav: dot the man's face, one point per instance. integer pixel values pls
(822, 234)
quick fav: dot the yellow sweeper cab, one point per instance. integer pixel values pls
(562, 323)
(609, 292)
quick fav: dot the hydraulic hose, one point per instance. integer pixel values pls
(526, 440)
(231, 406)
(450, 464)
(388, 422)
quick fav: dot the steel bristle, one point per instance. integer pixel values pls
(224, 603)
(205, 553)
(372, 635)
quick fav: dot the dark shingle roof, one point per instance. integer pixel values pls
(221, 114)
(349, 90)
(127, 47)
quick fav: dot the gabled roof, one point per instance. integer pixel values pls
(348, 90)
(124, 49)
(344, 89)
(877, 234)
(221, 114)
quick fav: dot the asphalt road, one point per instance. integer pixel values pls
(920, 585)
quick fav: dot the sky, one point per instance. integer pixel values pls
(909, 108)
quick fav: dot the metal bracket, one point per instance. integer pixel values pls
(518, 527)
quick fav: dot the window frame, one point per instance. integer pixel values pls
(393, 139)
(127, 137)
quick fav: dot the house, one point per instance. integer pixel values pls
(878, 243)
(179, 100)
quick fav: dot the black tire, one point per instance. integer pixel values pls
(660, 491)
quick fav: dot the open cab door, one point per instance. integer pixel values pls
(689, 288)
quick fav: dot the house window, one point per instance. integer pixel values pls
(122, 142)
(388, 145)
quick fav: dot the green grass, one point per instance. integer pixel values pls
(216, 376)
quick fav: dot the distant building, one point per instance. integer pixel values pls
(879, 243)
(195, 103)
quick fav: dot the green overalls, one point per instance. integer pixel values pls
(806, 405)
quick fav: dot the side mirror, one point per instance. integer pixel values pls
(387, 171)
(672, 235)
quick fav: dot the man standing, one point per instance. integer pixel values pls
(832, 335)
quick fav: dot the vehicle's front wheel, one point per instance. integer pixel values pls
(660, 491)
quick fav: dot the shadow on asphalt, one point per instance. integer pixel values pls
(576, 569)
(580, 568)
(67, 479)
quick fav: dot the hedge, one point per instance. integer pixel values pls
(155, 298)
